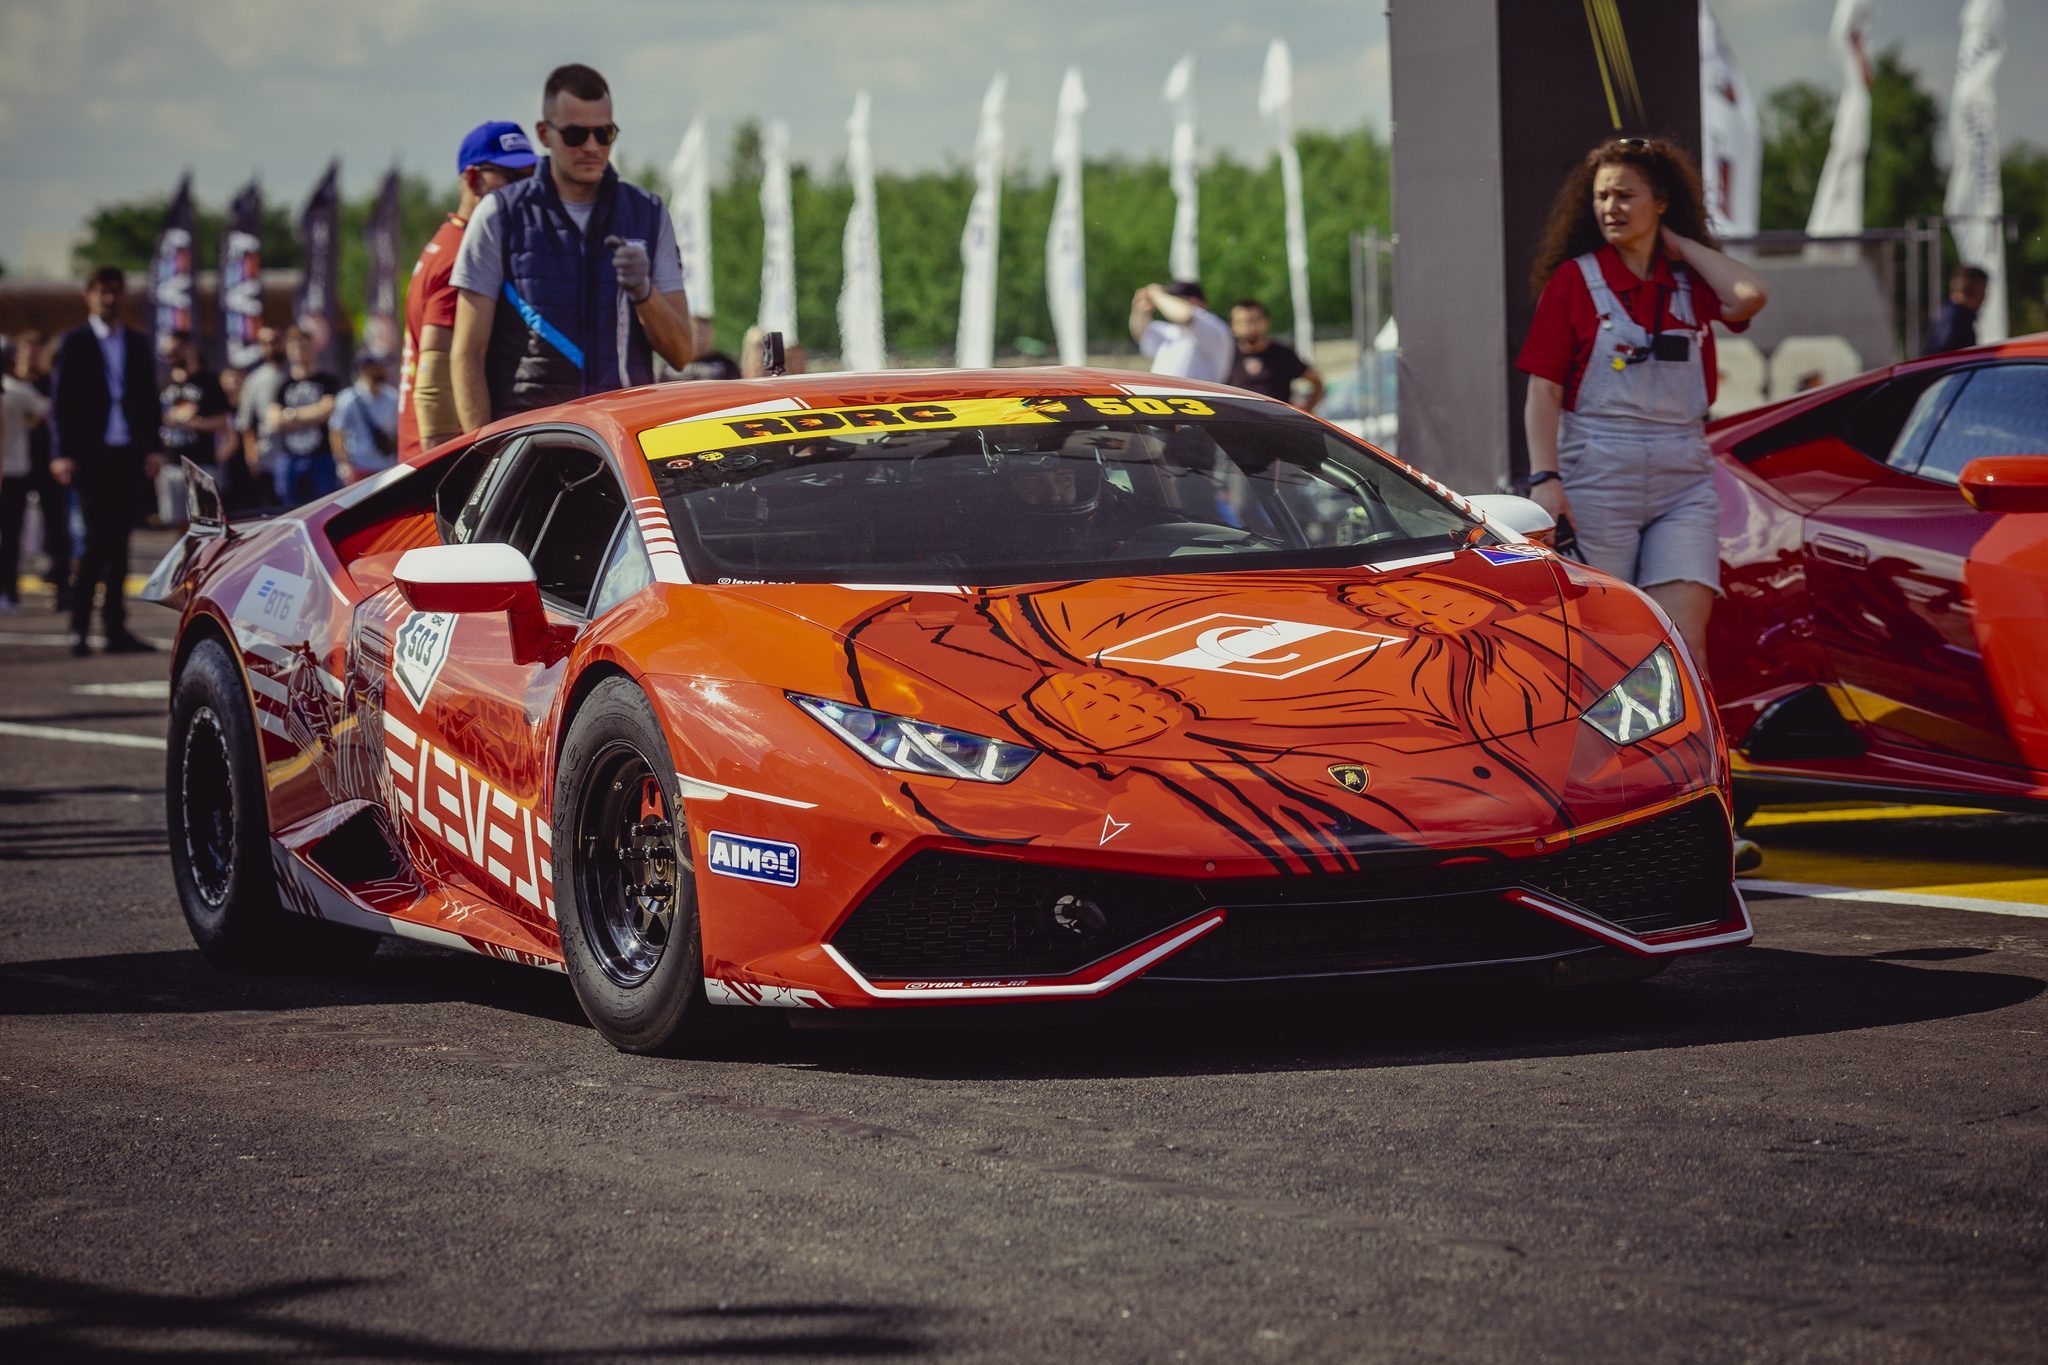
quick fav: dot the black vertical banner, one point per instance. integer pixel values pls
(171, 277)
(381, 299)
(318, 311)
(241, 279)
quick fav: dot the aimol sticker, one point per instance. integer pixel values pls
(274, 600)
(753, 860)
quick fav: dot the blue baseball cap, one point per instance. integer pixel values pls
(496, 144)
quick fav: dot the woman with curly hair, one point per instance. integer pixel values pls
(1620, 361)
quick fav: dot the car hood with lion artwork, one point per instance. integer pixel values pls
(1240, 698)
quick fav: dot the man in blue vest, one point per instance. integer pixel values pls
(569, 281)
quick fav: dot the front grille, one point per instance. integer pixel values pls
(941, 914)
(1370, 936)
(1668, 873)
(946, 914)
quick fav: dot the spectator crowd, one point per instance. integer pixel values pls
(552, 279)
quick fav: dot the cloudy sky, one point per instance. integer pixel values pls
(108, 99)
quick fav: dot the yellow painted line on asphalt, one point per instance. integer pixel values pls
(1819, 850)
(132, 584)
(1846, 811)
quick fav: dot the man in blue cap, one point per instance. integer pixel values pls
(493, 156)
(570, 281)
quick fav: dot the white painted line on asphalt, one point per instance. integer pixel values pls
(25, 637)
(1903, 897)
(8, 727)
(156, 689)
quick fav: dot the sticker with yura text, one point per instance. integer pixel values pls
(754, 860)
(274, 600)
(419, 650)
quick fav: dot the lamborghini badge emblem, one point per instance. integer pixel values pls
(1350, 776)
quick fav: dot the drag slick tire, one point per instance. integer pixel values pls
(624, 876)
(217, 817)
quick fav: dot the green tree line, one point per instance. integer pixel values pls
(1128, 208)
(1901, 178)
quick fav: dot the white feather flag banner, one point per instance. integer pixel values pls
(1184, 257)
(1975, 199)
(778, 238)
(860, 289)
(1066, 266)
(689, 176)
(974, 347)
(1276, 104)
(1838, 199)
(1731, 141)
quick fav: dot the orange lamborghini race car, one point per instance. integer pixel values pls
(888, 690)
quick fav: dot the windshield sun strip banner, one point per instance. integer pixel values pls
(700, 437)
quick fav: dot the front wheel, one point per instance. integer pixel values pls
(622, 853)
(217, 813)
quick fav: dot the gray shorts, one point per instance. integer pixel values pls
(1643, 500)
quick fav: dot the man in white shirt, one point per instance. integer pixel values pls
(21, 408)
(1173, 325)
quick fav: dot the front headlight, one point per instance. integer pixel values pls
(1649, 699)
(915, 746)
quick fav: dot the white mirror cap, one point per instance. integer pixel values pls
(474, 563)
(1521, 515)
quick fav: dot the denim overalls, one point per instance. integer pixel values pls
(1632, 452)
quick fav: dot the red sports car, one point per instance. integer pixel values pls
(1884, 553)
(860, 691)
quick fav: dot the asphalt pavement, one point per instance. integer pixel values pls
(1825, 1147)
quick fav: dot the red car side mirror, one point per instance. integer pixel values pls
(2007, 483)
(471, 579)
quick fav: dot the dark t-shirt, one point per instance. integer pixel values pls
(304, 393)
(1953, 330)
(712, 365)
(201, 387)
(1271, 372)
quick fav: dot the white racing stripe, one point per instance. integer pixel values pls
(9, 727)
(700, 789)
(1904, 897)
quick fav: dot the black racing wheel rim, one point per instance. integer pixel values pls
(207, 794)
(630, 877)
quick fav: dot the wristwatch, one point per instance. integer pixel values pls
(1543, 476)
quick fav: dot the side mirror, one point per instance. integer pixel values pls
(1523, 516)
(475, 579)
(2007, 483)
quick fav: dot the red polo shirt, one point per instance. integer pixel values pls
(1566, 329)
(429, 301)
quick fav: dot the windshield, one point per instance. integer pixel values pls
(1025, 490)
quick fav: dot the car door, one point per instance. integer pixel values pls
(465, 717)
(1888, 568)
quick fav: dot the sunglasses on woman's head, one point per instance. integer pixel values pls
(573, 134)
(1634, 144)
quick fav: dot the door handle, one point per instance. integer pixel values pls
(1853, 553)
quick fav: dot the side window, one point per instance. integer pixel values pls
(467, 489)
(2003, 410)
(1925, 417)
(625, 573)
(560, 510)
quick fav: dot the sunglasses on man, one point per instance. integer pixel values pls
(575, 134)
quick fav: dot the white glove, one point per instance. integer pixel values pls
(630, 264)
